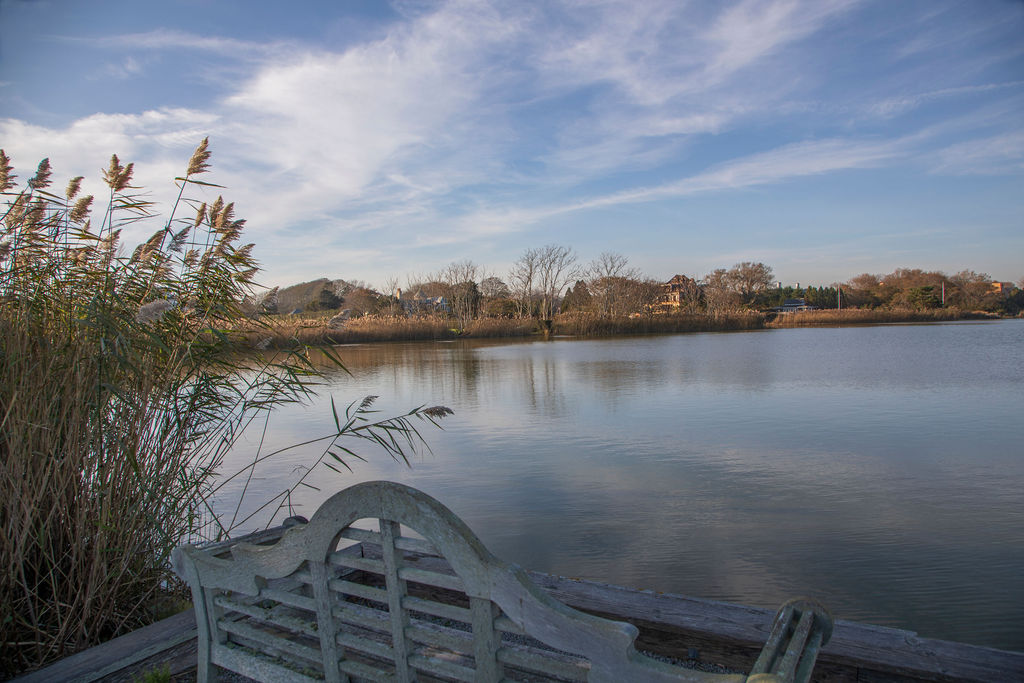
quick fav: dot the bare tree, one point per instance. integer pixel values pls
(494, 288)
(611, 284)
(719, 293)
(391, 286)
(391, 304)
(463, 294)
(971, 288)
(521, 279)
(556, 269)
(748, 279)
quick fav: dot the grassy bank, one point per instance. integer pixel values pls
(859, 316)
(585, 325)
(289, 331)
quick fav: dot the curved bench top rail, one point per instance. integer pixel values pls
(607, 644)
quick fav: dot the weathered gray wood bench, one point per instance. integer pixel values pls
(336, 602)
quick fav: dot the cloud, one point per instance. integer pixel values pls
(129, 68)
(755, 29)
(464, 122)
(778, 165)
(998, 154)
(167, 39)
(895, 106)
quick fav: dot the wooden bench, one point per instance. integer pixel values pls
(331, 601)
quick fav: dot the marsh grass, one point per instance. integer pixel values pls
(288, 331)
(865, 316)
(285, 332)
(121, 390)
(584, 324)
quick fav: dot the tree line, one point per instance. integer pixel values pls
(551, 280)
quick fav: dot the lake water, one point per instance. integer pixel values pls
(880, 469)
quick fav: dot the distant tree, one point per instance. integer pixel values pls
(720, 295)
(922, 297)
(863, 291)
(577, 298)
(821, 297)
(556, 268)
(493, 287)
(970, 289)
(612, 285)
(748, 279)
(325, 300)
(500, 307)
(389, 303)
(522, 280)
(641, 296)
(461, 290)
(361, 301)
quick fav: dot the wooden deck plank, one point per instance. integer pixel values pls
(120, 653)
(873, 650)
(671, 624)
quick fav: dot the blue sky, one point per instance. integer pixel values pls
(367, 140)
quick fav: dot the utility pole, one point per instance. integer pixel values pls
(839, 296)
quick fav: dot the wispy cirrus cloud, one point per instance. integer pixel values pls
(779, 165)
(997, 154)
(465, 123)
(895, 106)
(172, 40)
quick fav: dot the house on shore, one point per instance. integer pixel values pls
(680, 292)
(421, 303)
(792, 306)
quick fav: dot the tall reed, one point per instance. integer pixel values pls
(587, 324)
(868, 316)
(121, 390)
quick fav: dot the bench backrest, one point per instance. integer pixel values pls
(332, 601)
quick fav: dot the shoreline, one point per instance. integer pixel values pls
(291, 331)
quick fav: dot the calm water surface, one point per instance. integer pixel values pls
(880, 469)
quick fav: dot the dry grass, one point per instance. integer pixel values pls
(121, 390)
(864, 316)
(592, 325)
(285, 332)
(288, 331)
(501, 327)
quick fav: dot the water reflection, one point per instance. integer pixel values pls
(877, 468)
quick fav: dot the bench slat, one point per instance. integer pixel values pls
(389, 531)
(364, 671)
(515, 655)
(259, 669)
(361, 563)
(430, 578)
(438, 609)
(365, 617)
(367, 646)
(269, 615)
(406, 543)
(359, 590)
(289, 598)
(439, 667)
(287, 649)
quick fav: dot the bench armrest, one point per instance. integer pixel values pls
(800, 629)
